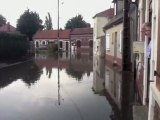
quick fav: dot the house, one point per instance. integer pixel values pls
(154, 90)
(43, 38)
(113, 32)
(100, 19)
(82, 40)
(7, 28)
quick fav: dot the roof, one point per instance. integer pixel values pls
(107, 13)
(52, 34)
(114, 21)
(81, 31)
(7, 28)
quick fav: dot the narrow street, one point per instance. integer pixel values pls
(78, 89)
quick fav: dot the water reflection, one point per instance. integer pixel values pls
(75, 65)
(52, 97)
(108, 82)
(28, 72)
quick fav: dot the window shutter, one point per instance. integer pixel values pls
(107, 42)
(120, 42)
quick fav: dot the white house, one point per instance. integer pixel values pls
(100, 20)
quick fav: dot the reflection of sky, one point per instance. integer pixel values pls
(40, 101)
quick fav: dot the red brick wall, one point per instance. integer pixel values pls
(84, 42)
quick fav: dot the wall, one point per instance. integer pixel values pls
(112, 52)
(99, 42)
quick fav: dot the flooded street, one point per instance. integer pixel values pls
(80, 88)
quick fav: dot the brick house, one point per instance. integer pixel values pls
(43, 38)
(7, 28)
(82, 39)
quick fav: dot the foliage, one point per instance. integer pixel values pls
(48, 22)
(29, 23)
(2, 20)
(76, 22)
(12, 45)
(53, 47)
(75, 74)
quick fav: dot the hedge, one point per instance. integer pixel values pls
(13, 45)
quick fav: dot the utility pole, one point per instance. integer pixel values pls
(58, 58)
(126, 63)
(58, 28)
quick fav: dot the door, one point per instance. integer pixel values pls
(66, 46)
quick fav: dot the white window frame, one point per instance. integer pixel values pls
(107, 41)
(120, 41)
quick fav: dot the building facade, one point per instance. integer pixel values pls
(100, 19)
(113, 32)
(82, 40)
(43, 38)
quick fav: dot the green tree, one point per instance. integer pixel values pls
(48, 22)
(2, 20)
(29, 23)
(76, 22)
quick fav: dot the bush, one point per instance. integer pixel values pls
(13, 45)
(53, 47)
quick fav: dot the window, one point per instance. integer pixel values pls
(37, 44)
(43, 42)
(107, 41)
(91, 43)
(60, 44)
(78, 43)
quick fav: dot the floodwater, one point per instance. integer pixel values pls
(75, 87)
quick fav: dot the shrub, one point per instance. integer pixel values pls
(53, 47)
(13, 45)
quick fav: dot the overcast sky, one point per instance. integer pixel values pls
(12, 9)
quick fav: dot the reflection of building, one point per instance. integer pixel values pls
(113, 84)
(98, 74)
(75, 67)
(107, 82)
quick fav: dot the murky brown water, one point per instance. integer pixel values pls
(50, 89)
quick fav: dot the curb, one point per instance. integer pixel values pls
(17, 63)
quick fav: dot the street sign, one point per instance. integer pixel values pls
(138, 47)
